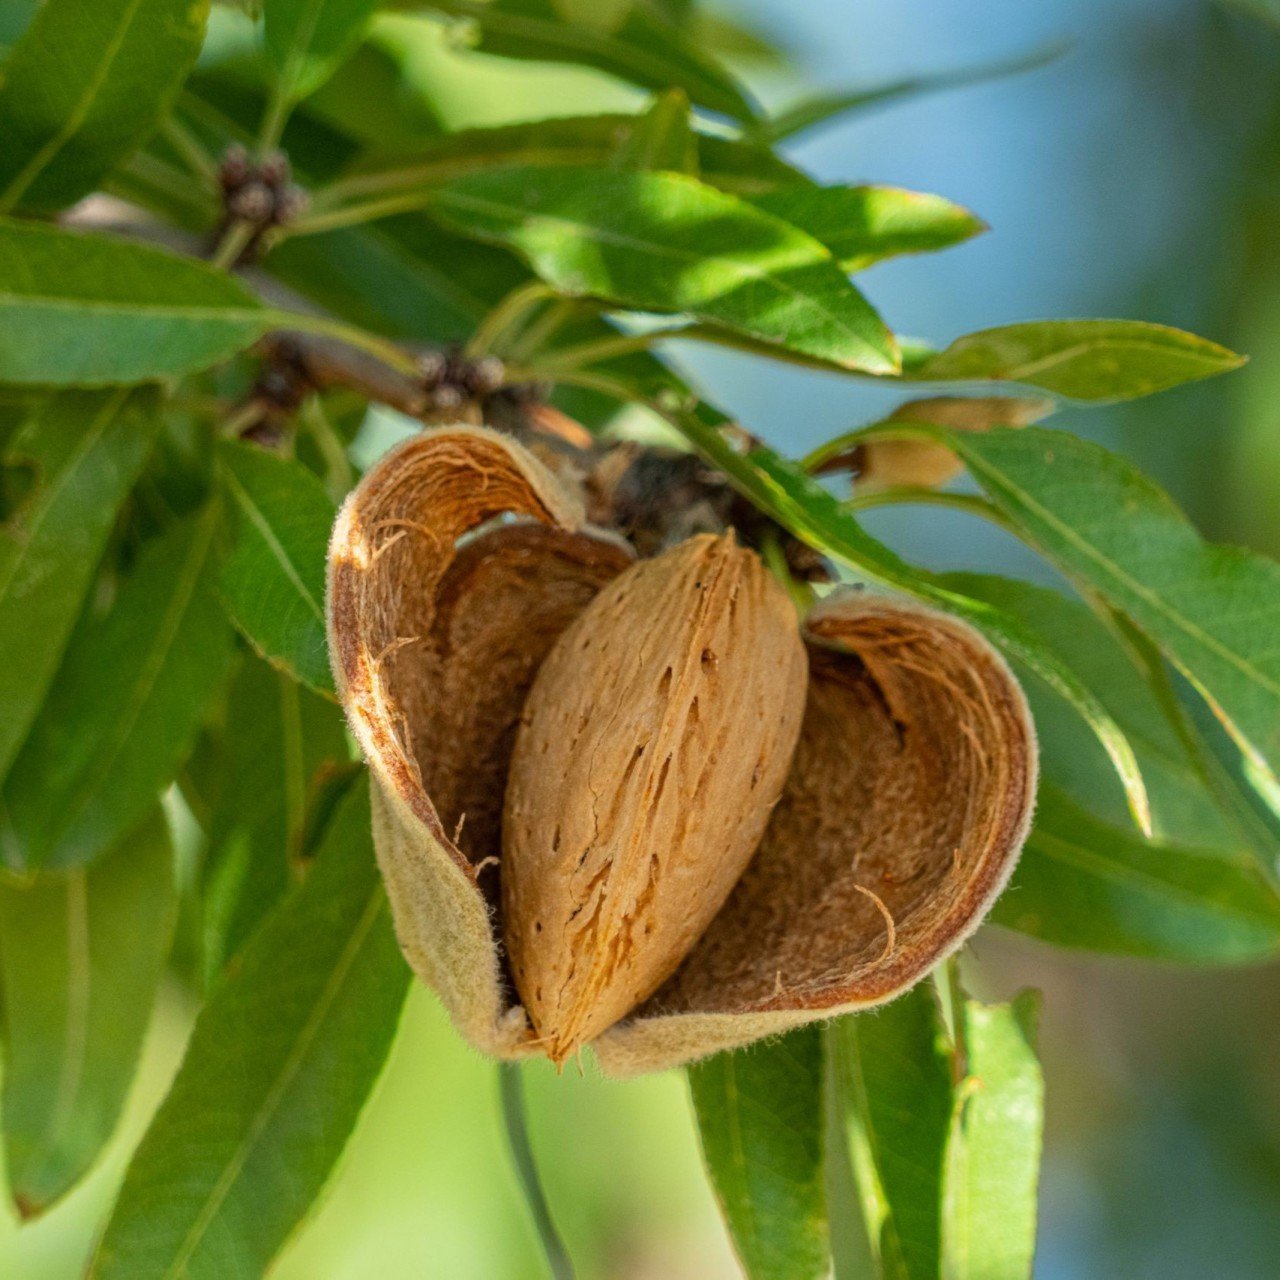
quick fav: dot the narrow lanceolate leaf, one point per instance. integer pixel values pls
(1085, 884)
(1185, 807)
(273, 576)
(667, 242)
(254, 781)
(279, 1066)
(82, 453)
(86, 84)
(760, 1117)
(865, 225)
(88, 310)
(80, 957)
(1214, 611)
(993, 1157)
(1089, 360)
(647, 46)
(826, 108)
(134, 685)
(307, 39)
(893, 1070)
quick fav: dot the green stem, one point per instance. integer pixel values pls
(388, 353)
(234, 241)
(275, 117)
(586, 353)
(511, 1091)
(921, 495)
(192, 151)
(504, 317)
(353, 214)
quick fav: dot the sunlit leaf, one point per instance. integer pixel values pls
(1089, 360)
(280, 1063)
(893, 1071)
(759, 1114)
(273, 576)
(307, 39)
(86, 84)
(865, 225)
(1085, 884)
(80, 957)
(123, 710)
(1213, 610)
(649, 48)
(82, 452)
(993, 1155)
(87, 310)
(666, 242)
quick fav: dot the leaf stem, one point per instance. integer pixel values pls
(504, 317)
(193, 152)
(235, 240)
(350, 215)
(511, 1092)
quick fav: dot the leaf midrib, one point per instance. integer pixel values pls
(275, 1095)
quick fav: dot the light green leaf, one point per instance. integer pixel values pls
(124, 709)
(759, 1114)
(649, 48)
(666, 242)
(1085, 884)
(826, 108)
(662, 138)
(273, 576)
(893, 1070)
(1214, 611)
(1089, 360)
(280, 1063)
(84, 451)
(865, 225)
(80, 958)
(85, 85)
(307, 39)
(993, 1157)
(254, 780)
(87, 310)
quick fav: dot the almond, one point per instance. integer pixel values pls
(653, 746)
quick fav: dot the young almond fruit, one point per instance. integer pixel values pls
(654, 744)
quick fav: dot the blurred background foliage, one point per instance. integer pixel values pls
(1138, 174)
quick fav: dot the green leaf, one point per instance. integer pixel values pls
(84, 451)
(662, 138)
(254, 780)
(80, 958)
(88, 310)
(1184, 805)
(826, 108)
(865, 225)
(84, 87)
(1085, 884)
(759, 1114)
(648, 48)
(280, 1063)
(1214, 611)
(893, 1069)
(307, 39)
(993, 1156)
(124, 709)
(1089, 360)
(669, 243)
(273, 576)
